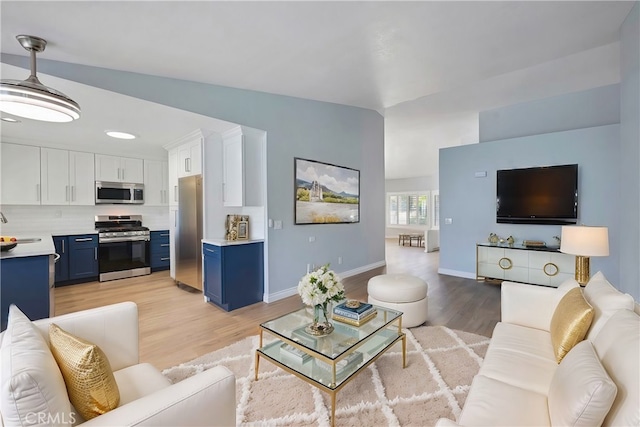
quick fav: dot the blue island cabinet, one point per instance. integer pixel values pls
(25, 283)
(233, 274)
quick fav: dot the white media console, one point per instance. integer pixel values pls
(538, 266)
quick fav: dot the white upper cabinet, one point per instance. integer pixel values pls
(118, 169)
(190, 158)
(243, 179)
(156, 186)
(20, 174)
(54, 167)
(81, 178)
(67, 177)
(233, 170)
(173, 177)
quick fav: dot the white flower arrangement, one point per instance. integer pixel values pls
(321, 286)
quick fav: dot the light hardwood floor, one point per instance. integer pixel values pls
(176, 325)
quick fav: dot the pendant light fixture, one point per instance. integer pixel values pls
(31, 99)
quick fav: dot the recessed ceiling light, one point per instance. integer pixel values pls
(120, 135)
(9, 119)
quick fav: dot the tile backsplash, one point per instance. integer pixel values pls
(62, 220)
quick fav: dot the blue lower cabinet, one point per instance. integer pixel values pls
(62, 264)
(83, 256)
(160, 257)
(233, 274)
(25, 283)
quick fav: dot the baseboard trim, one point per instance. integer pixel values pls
(294, 291)
(362, 269)
(456, 273)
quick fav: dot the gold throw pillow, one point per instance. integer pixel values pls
(570, 322)
(87, 373)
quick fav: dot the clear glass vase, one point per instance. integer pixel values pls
(321, 325)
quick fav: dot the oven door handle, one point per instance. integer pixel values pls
(124, 239)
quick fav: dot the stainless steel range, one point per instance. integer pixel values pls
(123, 246)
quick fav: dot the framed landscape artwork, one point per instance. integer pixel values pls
(325, 193)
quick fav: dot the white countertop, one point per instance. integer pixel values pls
(224, 242)
(43, 247)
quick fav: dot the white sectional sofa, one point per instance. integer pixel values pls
(33, 390)
(520, 383)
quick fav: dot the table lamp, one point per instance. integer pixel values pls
(584, 241)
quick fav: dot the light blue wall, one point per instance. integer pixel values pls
(630, 153)
(346, 136)
(471, 202)
(593, 107)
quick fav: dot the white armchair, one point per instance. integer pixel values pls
(147, 398)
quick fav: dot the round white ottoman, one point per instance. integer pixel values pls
(401, 292)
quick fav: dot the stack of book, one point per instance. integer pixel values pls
(293, 354)
(354, 314)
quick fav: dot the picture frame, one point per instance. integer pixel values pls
(325, 193)
(233, 229)
(243, 230)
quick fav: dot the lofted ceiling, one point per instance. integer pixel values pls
(429, 67)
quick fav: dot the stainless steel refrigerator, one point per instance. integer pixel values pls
(189, 232)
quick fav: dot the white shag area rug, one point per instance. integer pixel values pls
(440, 366)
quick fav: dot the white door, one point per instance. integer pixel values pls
(233, 171)
(20, 174)
(107, 168)
(155, 183)
(54, 170)
(132, 170)
(81, 179)
(173, 177)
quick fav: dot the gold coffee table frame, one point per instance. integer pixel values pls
(319, 358)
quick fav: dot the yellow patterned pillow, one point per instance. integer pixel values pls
(570, 322)
(87, 373)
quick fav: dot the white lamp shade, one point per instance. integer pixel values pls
(585, 240)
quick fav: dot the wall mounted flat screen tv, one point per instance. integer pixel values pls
(539, 195)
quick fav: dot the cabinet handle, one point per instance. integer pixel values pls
(165, 259)
(164, 245)
(175, 193)
(85, 239)
(66, 192)
(164, 235)
(506, 265)
(550, 269)
(95, 253)
(210, 250)
(186, 168)
(62, 245)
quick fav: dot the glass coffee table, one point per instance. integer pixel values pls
(331, 361)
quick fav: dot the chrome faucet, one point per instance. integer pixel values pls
(3, 219)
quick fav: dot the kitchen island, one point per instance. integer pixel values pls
(26, 277)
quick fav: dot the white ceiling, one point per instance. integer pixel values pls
(429, 67)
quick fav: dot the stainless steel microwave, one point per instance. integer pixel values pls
(119, 193)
